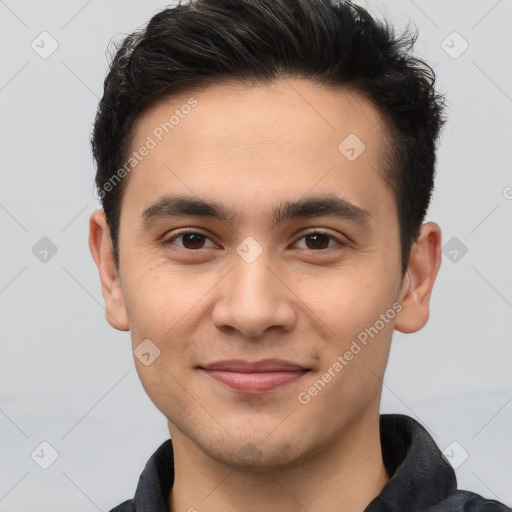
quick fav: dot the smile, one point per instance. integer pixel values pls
(255, 377)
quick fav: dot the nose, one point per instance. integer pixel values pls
(254, 297)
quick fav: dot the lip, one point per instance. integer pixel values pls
(255, 377)
(264, 365)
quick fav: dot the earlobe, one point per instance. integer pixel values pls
(418, 282)
(100, 245)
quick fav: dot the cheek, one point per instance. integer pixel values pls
(167, 308)
(166, 387)
(358, 311)
(161, 309)
(349, 300)
(159, 302)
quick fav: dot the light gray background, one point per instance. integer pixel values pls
(68, 378)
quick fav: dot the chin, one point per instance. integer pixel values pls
(257, 456)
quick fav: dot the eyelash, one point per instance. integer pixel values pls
(170, 240)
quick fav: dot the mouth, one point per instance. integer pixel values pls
(255, 377)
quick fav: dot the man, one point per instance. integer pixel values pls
(264, 168)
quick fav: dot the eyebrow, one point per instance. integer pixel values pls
(315, 206)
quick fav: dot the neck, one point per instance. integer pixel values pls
(344, 476)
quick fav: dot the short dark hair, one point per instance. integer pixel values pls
(333, 43)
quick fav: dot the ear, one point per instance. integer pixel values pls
(100, 245)
(424, 263)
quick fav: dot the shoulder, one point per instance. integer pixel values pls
(126, 506)
(466, 501)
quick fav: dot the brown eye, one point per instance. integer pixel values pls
(319, 240)
(190, 240)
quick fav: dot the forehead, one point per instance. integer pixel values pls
(284, 138)
(261, 106)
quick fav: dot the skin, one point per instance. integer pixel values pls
(251, 147)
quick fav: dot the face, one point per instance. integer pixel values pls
(313, 291)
